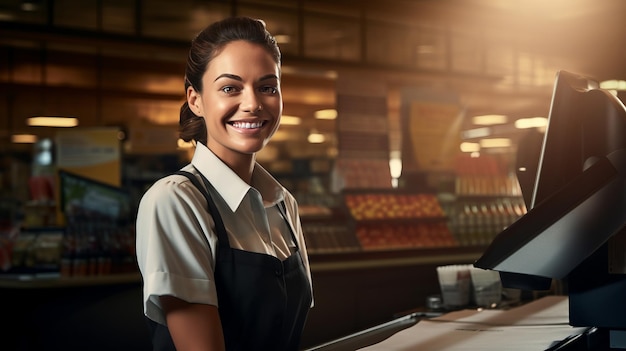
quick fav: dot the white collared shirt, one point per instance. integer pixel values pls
(176, 239)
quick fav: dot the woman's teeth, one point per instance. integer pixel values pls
(247, 125)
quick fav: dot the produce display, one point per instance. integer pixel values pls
(395, 221)
(389, 220)
(392, 206)
(404, 235)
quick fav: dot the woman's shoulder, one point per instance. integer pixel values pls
(170, 181)
(169, 186)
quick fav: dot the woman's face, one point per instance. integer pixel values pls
(241, 101)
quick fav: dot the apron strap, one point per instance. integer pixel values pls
(282, 208)
(212, 209)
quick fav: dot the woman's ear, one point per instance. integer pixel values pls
(195, 102)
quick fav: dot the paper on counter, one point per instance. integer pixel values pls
(534, 326)
(545, 311)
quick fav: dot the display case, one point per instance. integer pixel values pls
(376, 220)
(482, 207)
(391, 220)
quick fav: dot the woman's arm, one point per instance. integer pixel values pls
(193, 326)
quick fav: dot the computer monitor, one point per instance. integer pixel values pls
(87, 198)
(577, 208)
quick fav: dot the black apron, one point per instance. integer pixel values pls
(263, 301)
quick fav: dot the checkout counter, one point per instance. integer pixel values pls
(542, 324)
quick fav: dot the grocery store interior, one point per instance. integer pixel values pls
(410, 135)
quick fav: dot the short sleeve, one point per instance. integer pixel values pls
(175, 245)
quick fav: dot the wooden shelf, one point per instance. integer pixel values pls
(51, 280)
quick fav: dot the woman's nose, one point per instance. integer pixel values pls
(251, 102)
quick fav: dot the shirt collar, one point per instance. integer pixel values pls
(228, 184)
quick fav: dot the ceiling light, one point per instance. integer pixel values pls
(488, 120)
(495, 142)
(326, 114)
(531, 122)
(23, 138)
(290, 120)
(315, 137)
(470, 147)
(476, 133)
(52, 121)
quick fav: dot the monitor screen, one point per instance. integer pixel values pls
(577, 200)
(585, 124)
(81, 196)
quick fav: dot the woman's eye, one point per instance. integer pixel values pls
(269, 90)
(229, 89)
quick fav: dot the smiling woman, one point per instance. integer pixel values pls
(240, 103)
(245, 252)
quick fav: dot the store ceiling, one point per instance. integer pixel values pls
(584, 36)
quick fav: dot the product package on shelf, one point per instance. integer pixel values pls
(328, 237)
(33, 251)
(396, 220)
(480, 219)
(96, 245)
(488, 198)
(376, 236)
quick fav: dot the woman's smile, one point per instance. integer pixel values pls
(247, 125)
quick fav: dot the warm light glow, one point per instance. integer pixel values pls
(282, 38)
(290, 120)
(488, 120)
(316, 137)
(613, 84)
(184, 145)
(282, 135)
(425, 49)
(495, 142)
(29, 6)
(326, 114)
(23, 138)
(470, 147)
(395, 167)
(476, 133)
(52, 121)
(531, 122)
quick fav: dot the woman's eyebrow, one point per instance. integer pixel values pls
(238, 78)
(228, 75)
(269, 76)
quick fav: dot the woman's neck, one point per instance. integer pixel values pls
(241, 163)
(243, 169)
